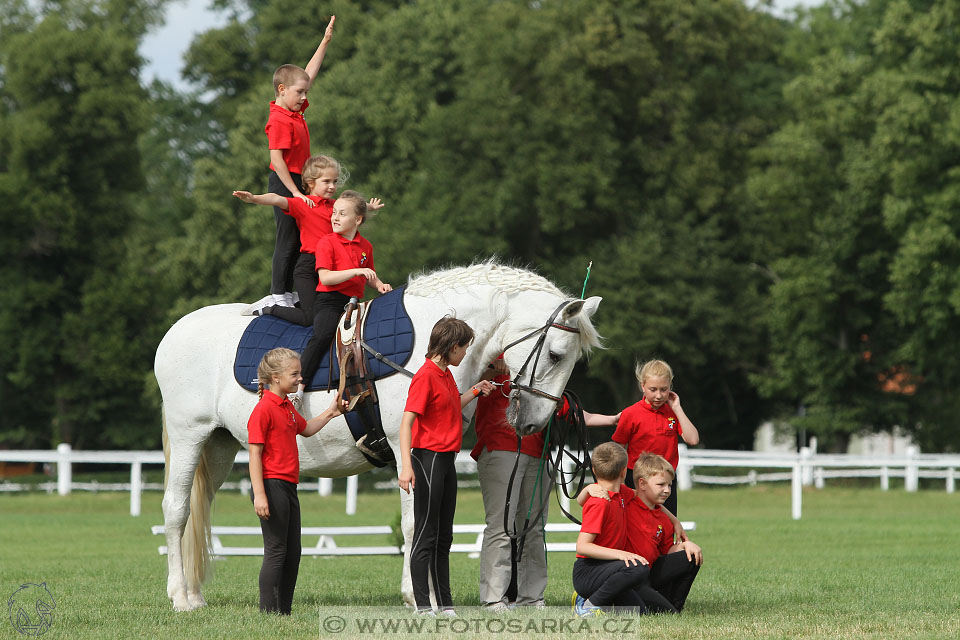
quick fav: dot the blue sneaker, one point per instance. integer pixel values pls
(583, 609)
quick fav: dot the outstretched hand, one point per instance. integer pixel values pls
(246, 196)
(374, 204)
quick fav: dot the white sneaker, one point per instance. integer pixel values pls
(496, 607)
(279, 299)
(258, 306)
(449, 612)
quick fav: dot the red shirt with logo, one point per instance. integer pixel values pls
(607, 520)
(434, 397)
(287, 131)
(649, 531)
(275, 424)
(313, 222)
(643, 428)
(336, 253)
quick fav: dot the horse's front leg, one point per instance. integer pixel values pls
(406, 526)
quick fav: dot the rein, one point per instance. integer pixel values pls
(572, 420)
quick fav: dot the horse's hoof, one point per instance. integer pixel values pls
(180, 603)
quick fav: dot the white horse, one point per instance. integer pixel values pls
(205, 411)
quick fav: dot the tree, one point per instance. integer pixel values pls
(71, 111)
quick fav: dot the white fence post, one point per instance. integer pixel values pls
(567, 467)
(351, 495)
(806, 471)
(884, 478)
(950, 479)
(796, 491)
(324, 486)
(136, 486)
(64, 472)
(911, 477)
(684, 480)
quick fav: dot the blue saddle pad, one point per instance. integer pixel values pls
(387, 330)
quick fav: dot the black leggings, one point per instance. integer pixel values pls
(288, 237)
(434, 504)
(611, 583)
(327, 309)
(305, 282)
(672, 576)
(281, 546)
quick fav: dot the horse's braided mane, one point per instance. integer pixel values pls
(503, 278)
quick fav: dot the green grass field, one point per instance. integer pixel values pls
(862, 563)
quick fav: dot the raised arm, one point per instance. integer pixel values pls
(268, 199)
(688, 432)
(313, 67)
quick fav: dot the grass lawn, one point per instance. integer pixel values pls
(862, 563)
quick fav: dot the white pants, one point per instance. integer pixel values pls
(494, 469)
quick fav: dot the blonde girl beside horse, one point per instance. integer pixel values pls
(273, 428)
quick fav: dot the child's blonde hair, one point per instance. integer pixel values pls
(653, 369)
(315, 165)
(649, 465)
(272, 364)
(287, 74)
(609, 460)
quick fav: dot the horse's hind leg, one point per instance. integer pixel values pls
(215, 465)
(182, 457)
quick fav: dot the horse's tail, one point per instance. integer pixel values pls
(197, 537)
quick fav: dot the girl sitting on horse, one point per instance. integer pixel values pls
(321, 176)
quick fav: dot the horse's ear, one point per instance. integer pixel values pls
(589, 306)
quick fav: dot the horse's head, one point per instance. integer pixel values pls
(541, 362)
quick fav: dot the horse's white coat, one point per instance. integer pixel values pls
(206, 411)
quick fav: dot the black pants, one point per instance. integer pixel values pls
(434, 504)
(671, 576)
(281, 546)
(287, 248)
(305, 284)
(613, 583)
(670, 504)
(327, 309)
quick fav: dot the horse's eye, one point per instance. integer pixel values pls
(555, 357)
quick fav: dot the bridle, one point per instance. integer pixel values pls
(535, 354)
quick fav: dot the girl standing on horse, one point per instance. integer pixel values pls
(432, 425)
(272, 431)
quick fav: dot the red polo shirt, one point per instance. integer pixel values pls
(607, 520)
(314, 223)
(287, 130)
(434, 397)
(275, 424)
(643, 428)
(649, 531)
(336, 253)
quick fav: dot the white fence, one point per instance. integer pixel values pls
(805, 468)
